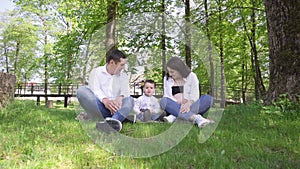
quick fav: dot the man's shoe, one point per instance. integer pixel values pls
(114, 123)
(169, 119)
(109, 125)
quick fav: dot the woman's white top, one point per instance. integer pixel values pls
(190, 87)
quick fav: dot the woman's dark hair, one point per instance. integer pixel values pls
(177, 64)
(115, 55)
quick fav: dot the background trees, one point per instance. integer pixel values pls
(225, 39)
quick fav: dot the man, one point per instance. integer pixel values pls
(107, 94)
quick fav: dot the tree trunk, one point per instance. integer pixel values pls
(7, 88)
(6, 57)
(188, 55)
(284, 46)
(209, 50)
(223, 99)
(17, 57)
(163, 39)
(110, 42)
(258, 79)
(86, 61)
(45, 56)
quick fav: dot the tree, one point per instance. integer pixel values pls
(284, 47)
(40, 10)
(19, 42)
(209, 49)
(110, 42)
(187, 33)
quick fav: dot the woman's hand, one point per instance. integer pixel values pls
(185, 106)
(179, 98)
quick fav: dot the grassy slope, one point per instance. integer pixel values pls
(246, 137)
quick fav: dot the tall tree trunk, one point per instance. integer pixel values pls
(86, 60)
(258, 78)
(284, 46)
(110, 42)
(223, 99)
(244, 72)
(16, 57)
(45, 57)
(209, 50)
(163, 39)
(6, 57)
(243, 81)
(188, 55)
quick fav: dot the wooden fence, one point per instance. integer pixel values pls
(53, 90)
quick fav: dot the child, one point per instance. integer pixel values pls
(147, 107)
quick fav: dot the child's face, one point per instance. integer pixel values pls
(149, 89)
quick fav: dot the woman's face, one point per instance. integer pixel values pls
(174, 73)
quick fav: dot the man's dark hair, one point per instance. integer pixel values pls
(115, 55)
(150, 81)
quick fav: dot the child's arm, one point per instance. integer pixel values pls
(137, 105)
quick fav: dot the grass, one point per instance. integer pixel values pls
(248, 136)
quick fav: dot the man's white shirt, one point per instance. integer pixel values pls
(105, 85)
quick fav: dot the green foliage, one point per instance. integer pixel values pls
(76, 37)
(285, 105)
(19, 39)
(154, 74)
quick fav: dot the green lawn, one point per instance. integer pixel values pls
(248, 136)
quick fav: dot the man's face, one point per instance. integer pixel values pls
(118, 67)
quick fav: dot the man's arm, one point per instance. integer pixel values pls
(94, 83)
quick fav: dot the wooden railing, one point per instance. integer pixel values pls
(66, 92)
(52, 90)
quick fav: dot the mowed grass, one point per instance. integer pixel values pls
(248, 136)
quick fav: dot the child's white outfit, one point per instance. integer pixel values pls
(145, 104)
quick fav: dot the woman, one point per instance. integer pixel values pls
(181, 95)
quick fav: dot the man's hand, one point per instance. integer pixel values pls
(111, 105)
(119, 101)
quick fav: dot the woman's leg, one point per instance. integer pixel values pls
(173, 108)
(202, 105)
(169, 106)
